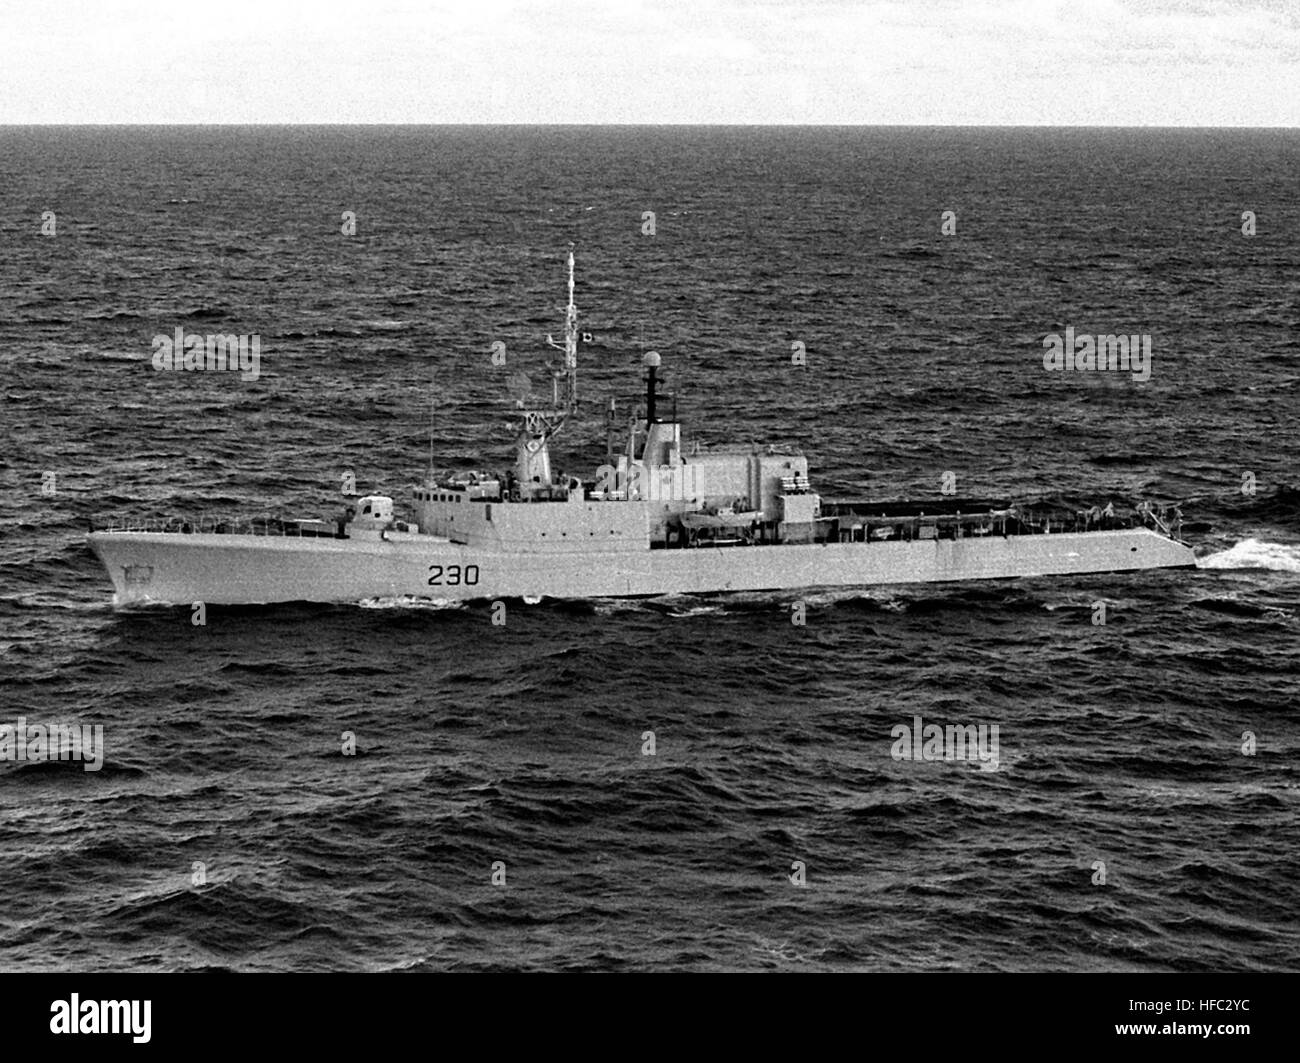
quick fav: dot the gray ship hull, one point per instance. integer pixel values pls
(169, 567)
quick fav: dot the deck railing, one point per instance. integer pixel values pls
(854, 527)
(211, 525)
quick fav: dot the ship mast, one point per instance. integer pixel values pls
(570, 345)
(533, 466)
(560, 411)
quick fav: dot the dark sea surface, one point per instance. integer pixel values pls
(523, 744)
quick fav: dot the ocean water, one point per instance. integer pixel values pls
(227, 830)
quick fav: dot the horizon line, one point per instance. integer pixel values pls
(628, 125)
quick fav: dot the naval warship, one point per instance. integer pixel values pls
(656, 519)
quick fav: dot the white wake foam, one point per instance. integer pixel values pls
(409, 602)
(1251, 553)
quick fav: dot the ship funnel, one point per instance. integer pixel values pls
(651, 361)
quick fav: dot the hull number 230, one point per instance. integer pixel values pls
(452, 575)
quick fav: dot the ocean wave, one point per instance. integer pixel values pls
(43, 600)
(126, 356)
(768, 743)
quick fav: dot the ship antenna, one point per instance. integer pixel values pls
(570, 348)
(433, 401)
(571, 340)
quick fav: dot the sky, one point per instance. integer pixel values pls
(875, 62)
